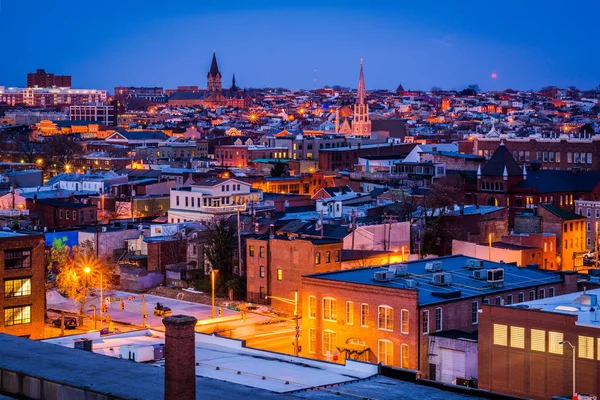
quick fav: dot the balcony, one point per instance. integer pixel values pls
(222, 209)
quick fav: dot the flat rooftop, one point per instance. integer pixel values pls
(463, 285)
(576, 304)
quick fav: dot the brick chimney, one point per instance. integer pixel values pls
(180, 357)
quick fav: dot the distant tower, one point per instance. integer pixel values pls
(213, 79)
(361, 125)
(234, 87)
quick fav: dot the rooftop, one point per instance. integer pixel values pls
(463, 285)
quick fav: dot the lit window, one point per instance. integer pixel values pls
(517, 337)
(327, 257)
(262, 252)
(329, 309)
(312, 340)
(312, 307)
(500, 335)
(538, 340)
(279, 274)
(586, 347)
(404, 321)
(554, 339)
(386, 318)
(349, 313)
(364, 314)
(404, 354)
(329, 342)
(318, 258)
(17, 315)
(251, 250)
(425, 322)
(385, 352)
(17, 287)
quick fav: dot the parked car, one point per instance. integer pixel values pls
(70, 323)
(161, 310)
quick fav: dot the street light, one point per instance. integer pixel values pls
(212, 281)
(572, 348)
(87, 271)
(295, 303)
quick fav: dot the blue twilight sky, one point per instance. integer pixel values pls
(451, 44)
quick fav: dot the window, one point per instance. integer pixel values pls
(474, 312)
(262, 252)
(349, 313)
(251, 250)
(486, 301)
(364, 314)
(554, 339)
(521, 297)
(538, 340)
(312, 340)
(531, 295)
(262, 271)
(498, 300)
(329, 309)
(586, 347)
(318, 258)
(589, 158)
(312, 307)
(385, 318)
(17, 315)
(337, 256)
(404, 321)
(279, 274)
(438, 319)
(569, 157)
(500, 335)
(262, 292)
(17, 259)
(404, 356)
(329, 341)
(17, 287)
(517, 337)
(542, 294)
(66, 214)
(385, 352)
(425, 322)
(176, 200)
(551, 292)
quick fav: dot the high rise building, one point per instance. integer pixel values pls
(361, 125)
(43, 79)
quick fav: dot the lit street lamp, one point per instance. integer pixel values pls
(572, 348)
(87, 271)
(212, 281)
(295, 303)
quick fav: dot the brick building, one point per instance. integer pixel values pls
(591, 211)
(380, 315)
(239, 156)
(307, 184)
(51, 97)
(563, 152)
(22, 266)
(520, 350)
(61, 213)
(274, 266)
(43, 79)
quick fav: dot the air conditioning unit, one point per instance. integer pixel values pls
(495, 275)
(434, 266)
(474, 263)
(410, 284)
(383, 276)
(480, 275)
(442, 279)
(399, 269)
(103, 229)
(588, 300)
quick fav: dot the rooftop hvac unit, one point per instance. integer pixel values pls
(399, 269)
(410, 284)
(480, 274)
(383, 276)
(495, 275)
(434, 266)
(442, 279)
(588, 300)
(474, 263)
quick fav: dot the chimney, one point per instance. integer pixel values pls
(180, 357)
(271, 231)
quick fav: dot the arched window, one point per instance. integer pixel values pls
(492, 201)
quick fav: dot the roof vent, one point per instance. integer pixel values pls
(588, 300)
(383, 276)
(435, 266)
(474, 263)
(480, 274)
(399, 269)
(442, 279)
(410, 284)
(495, 275)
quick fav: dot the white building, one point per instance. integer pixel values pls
(209, 198)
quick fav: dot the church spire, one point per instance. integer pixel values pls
(233, 85)
(213, 79)
(361, 92)
(214, 68)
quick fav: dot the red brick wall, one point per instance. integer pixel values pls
(36, 300)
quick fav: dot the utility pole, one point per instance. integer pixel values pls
(353, 226)
(384, 236)
(596, 246)
(239, 244)
(390, 232)
(144, 314)
(322, 225)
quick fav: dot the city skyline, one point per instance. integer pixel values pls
(281, 46)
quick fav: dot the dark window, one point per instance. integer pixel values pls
(262, 292)
(327, 257)
(17, 259)
(262, 252)
(337, 256)
(262, 271)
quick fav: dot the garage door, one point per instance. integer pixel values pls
(452, 364)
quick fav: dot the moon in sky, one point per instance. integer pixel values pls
(494, 75)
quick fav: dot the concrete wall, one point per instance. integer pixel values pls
(372, 237)
(469, 347)
(481, 251)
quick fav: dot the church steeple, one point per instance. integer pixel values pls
(234, 87)
(361, 124)
(214, 76)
